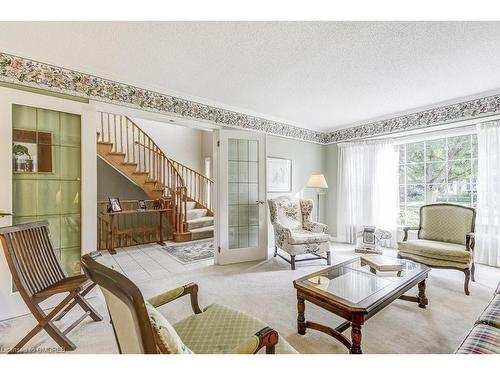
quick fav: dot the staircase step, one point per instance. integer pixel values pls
(190, 205)
(140, 173)
(105, 143)
(200, 222)
(116, 153)
(151, 182)
(129, 163)
(196, 213)
(205, 232)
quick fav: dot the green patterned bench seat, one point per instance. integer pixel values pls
(485, 336)
(219, 329)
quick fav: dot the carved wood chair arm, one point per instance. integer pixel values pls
(171, 295)
(406, 229)
(266, 337)
(470, 241)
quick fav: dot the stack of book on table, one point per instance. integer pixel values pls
(382, 263)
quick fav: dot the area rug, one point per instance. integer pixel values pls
(192, 252)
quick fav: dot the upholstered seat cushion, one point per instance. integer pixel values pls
(483, 339)
(220, 329)
(436, 250)
(491, 315)
(433, 262)
(305, 236)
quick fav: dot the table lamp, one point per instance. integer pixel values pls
(318, 182)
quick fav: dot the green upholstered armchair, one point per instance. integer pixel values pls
(140, 328)
(445, 239)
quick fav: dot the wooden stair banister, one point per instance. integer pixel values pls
(122, 143)
(197, 185)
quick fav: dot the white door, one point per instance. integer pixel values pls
(241, 186)
(11, 303)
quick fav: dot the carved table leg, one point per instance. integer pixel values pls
(301, 320)
(356, 324)
(422, 299)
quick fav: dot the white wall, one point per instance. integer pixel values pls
(307, 158)
(180, 143)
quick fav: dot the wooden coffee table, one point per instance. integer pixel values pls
(354, 292)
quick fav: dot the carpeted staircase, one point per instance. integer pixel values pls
(200, 224)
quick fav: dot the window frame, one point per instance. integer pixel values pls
(471, 181)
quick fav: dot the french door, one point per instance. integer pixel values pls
(241, 186)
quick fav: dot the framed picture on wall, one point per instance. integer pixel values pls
(279, 175)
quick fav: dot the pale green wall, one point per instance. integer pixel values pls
(307, 158)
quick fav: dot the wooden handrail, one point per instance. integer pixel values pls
(179, 182)
(176, 162)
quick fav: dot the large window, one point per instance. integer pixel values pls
(438, 170)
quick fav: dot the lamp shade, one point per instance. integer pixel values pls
(317, 181)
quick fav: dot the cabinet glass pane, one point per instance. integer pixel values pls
(24, 197)
(47, 123)
(70, 260)
(70, 163)
(46, 180)
(70, 197)
(48, 197)
(23, 117)
(70, 130)
(70, 231)
(243, 230)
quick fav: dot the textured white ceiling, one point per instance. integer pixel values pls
(318, 75)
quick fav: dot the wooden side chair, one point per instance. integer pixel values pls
(38, 275)
(140, 328)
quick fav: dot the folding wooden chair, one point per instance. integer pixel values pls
(38, 275)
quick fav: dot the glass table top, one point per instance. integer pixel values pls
(354, 281)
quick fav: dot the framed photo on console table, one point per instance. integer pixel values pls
(279, 175)
(114, 205)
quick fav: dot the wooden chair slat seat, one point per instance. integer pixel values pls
(65, 285)
(37, 274)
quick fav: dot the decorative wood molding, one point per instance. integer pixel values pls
(21, 71)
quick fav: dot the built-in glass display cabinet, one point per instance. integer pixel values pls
(46, 176)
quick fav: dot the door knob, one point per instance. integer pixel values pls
(261, 202)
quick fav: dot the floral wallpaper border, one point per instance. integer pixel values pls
(440, 115)
(27, 72)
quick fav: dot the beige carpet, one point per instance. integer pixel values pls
(265, 290)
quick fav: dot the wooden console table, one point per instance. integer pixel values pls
(114, 232)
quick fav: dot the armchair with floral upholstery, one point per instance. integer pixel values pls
(445, 239)
(295, 232)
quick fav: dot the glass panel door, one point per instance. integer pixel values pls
(242, 208)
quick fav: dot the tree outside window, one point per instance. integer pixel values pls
(438, 170)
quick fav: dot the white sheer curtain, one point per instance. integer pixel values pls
(488, 194)
(367, 188)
